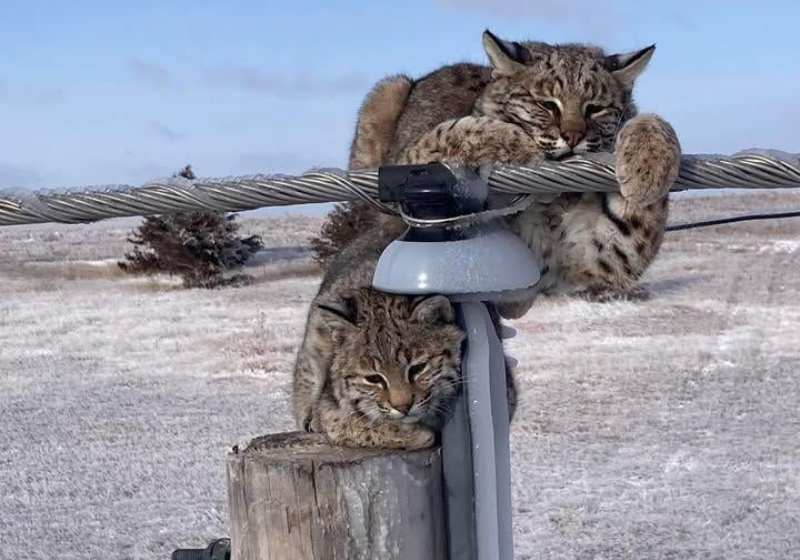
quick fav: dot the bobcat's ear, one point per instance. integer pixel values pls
(432, 310)
(627, 67)
(338, 313)
(504, 56)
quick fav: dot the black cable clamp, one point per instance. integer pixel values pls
(219, 549)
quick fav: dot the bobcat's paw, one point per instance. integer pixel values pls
(648, 159)
(388, 435)
(309, 421)
(418, 437)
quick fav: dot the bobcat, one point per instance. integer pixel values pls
(374, 369)
(377, 369)
(354, 377)
(538, 101)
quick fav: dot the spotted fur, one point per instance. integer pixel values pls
(374, 369)
(538, 101)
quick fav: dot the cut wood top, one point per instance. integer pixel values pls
(295, 447)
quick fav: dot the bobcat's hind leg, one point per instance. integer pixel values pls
(377, 120)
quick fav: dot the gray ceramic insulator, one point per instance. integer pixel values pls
(495, 260)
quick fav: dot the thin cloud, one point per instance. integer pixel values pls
(27, 95)
(151, 73)
(260, 81)
(252, 80)
(166, 133)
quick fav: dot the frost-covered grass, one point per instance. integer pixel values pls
(107, 240)
(661, 426)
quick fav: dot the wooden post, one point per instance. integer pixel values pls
(294, 497)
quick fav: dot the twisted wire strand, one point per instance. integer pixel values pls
(588, 173)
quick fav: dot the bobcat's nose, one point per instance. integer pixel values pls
(572, 137)
(402, 407)
(401, 401)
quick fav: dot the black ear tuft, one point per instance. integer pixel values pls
(504, 56)
(628, 66)
(511, 49)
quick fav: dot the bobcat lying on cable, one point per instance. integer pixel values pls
(540, 101)
(374, 369)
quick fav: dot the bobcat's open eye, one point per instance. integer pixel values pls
(376, 379)
(548, 105)
(593, 109)
(414, 370)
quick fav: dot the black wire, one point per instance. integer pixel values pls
(745, 218)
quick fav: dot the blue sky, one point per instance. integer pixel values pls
(105, 91)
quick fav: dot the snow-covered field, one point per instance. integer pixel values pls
(665, 426)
